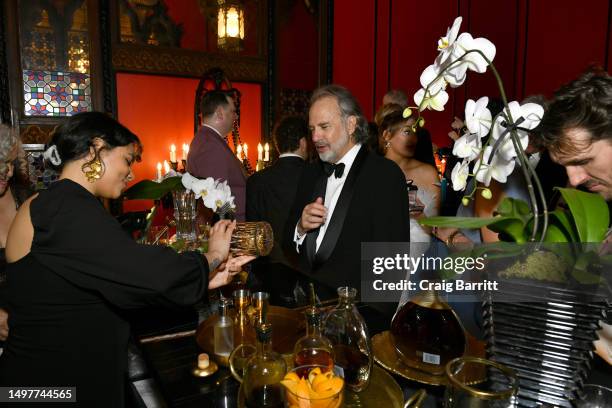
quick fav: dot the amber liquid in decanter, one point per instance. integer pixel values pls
(313, 348)
(427, 333)
(354, 363)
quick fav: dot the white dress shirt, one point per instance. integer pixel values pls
(332, 193)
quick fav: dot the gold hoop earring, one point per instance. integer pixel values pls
(93, 170)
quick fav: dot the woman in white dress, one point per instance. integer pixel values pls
(412, 151)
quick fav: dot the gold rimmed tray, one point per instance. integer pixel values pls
(386, 356)
(383, 391)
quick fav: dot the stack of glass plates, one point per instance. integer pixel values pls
(546, 334)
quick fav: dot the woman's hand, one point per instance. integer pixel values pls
(226, 271)
(4, 329)
(219, 243)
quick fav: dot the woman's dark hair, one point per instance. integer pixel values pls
(395, 120)
(74, 137)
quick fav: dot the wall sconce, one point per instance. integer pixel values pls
(230, 25)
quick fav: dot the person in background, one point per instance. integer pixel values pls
(395, 96)
(399, 141)
(209, 154)
(71, 269)
(577, 130)
(14, 189)
(270, 194)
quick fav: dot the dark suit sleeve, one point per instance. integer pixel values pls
(253, 199)
(393, 218)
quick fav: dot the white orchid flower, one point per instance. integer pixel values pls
(436, 95)
(213, 200)
(460, 174)
(431, 101)
(187, 181)
(526, 117)
(499, 168)
(202, 188)
(478, 117)
(446, 43)
(455, 75)
(468, 146)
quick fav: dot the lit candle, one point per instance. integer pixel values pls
(185, 150)
(159, 167)
(267, 152)
(259, 151)
(173, 153)
(239, 152)
(166, 167)
(245, 148)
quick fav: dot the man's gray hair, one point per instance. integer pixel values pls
(348, 107)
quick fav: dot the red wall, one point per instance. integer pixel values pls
(386, 44)
(160, 111)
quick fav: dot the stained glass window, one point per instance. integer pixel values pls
(55, 57)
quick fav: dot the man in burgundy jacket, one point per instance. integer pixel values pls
(209, 153)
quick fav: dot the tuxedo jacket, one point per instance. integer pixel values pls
(372, 207)
(270, 195)
(210, 156)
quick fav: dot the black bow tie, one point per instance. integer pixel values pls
(336, 169)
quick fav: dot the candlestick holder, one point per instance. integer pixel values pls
(184, 165)
(174, 165)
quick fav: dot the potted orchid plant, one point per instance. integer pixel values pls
(497, 156)
(215, 194)
(518, 222)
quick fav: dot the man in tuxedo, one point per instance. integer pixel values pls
(348, 197)
(209, 153)
(270, 194)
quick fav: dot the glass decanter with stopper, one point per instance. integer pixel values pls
(345, 328)
(313, 348)
(264, 372)
(427, 333)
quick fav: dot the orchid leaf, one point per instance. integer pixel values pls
(581, 271)
(562, 220)
(460, 222)
(512, 228)
(151, 190)
(590, 214)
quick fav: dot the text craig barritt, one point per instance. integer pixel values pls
(444, 285)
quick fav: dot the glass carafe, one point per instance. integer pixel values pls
(348, 333)
(313, 348)
(264, 372)
(427, 333)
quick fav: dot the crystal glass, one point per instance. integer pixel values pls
(499, 388)
(157, 235)
(252, 238)
(185, 215)
(313, 348)
(265, 371)
(595, 396)
(348, 333)
(427, 333)
(260, 303)
(244, 333)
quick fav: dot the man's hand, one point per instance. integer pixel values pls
(313, 216)
(226, 271)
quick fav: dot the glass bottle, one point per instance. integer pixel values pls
(427, 333)
(348, 333)
(264, 372)
(313, 348)
(223, 331)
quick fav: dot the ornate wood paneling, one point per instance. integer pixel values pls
(168, 61)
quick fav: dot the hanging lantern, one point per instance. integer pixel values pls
(230, 25)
